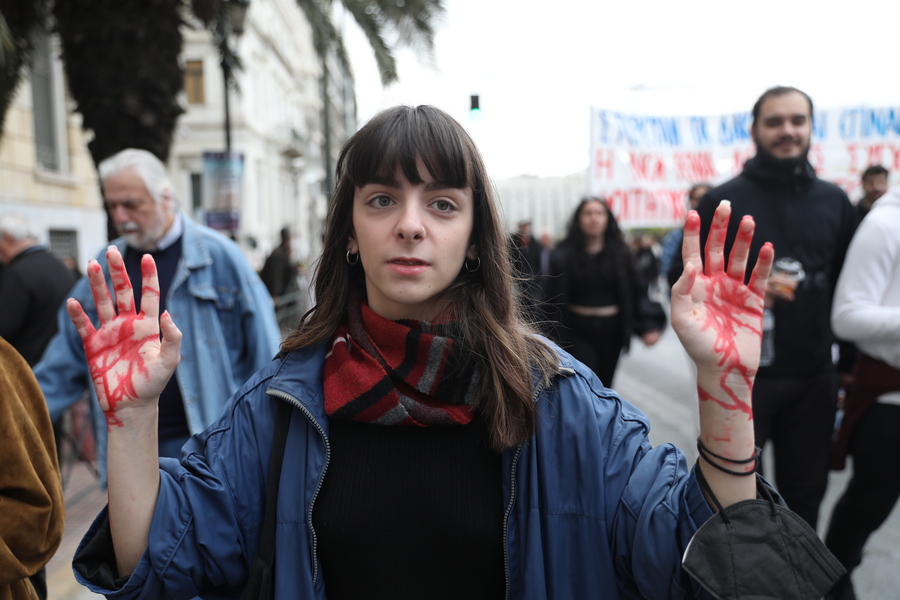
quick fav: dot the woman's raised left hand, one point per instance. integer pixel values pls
(718, 317)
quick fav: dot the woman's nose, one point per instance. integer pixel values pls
(410, 225)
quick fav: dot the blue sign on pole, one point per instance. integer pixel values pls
(223, 178)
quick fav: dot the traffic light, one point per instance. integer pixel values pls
(474, 109)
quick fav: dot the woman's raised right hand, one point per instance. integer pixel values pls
(129, 364)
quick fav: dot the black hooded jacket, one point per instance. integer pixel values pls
(804, 218)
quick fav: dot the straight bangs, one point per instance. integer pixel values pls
(400, 137)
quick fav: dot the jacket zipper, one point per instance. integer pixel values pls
(509, 507)
(512, 490)
(309, 521)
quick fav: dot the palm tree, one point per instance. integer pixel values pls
(18, 22)
(121, 57)
(123, 71)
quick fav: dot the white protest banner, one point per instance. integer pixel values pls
(644, 165)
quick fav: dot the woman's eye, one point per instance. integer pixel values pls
(443, 205)
(382, 201)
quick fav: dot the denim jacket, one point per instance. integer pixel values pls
(223, 311)
(591, 510)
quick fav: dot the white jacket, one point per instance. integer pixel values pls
(866, 309)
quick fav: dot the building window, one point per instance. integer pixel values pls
(193, 81)
(63, 243)
(43, 97)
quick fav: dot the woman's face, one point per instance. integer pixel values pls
(412, 240)
(593, 219)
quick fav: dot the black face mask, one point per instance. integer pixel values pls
(759, 550)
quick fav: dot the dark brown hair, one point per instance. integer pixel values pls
(491, 324)
(873, 170)
(615, 261)
(780, 90)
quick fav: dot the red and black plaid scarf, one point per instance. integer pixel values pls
(397, 372)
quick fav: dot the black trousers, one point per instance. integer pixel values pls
(597, 342)
(874, 487)
(797, 415)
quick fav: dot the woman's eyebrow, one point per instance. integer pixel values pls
(441, 185)
(385, 181)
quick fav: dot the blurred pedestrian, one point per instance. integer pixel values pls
(646, 261)
(525, 251)
(670, 263)
(205, 283)
(32, 508)
(433, 445)
(547, 247)
(874, 184)
(867, 312)
(278, 273)
(810, 221)
(33, 287)
(596, 296)
(72, 264)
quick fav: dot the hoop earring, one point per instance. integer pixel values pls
(349, 262)
(477, 265)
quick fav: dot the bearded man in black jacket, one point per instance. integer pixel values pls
(811, 221)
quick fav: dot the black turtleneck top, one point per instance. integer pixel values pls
(411, 513)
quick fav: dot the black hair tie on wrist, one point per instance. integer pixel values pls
(705, 453)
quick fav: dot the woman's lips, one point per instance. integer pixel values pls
(408, 266)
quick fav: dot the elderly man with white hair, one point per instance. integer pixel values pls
(207, 286)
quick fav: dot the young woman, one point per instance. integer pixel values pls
(598, 301)
(437, 448)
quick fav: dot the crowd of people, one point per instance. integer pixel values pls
(457, 378)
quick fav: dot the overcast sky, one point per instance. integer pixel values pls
(538, 67)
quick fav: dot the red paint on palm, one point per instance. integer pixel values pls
(114, 356)
(114, 351)
(730, 307)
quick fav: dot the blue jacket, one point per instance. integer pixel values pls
(592, 511)
(223, 311)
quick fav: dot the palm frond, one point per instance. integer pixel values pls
(121, 60)
(7, 43)
(372, 23)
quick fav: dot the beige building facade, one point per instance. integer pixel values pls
(46, 172)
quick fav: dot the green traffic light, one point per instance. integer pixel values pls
(474, 108)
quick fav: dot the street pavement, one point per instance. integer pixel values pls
(658, 380)
(83, 501)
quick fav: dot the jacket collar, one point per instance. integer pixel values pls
(771, 175)
(300, 378)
